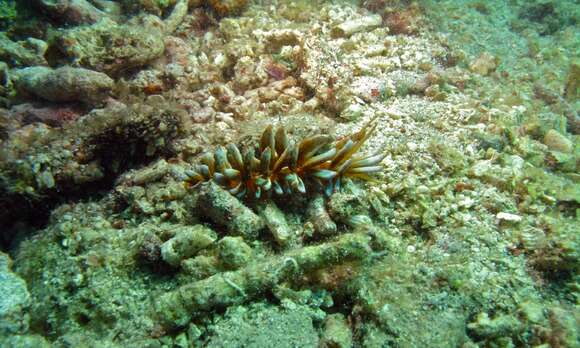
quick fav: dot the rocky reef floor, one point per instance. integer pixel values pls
(460, 227)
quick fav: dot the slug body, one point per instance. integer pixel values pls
(281, 166)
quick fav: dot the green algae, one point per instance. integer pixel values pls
(8, 11)
(265, 326)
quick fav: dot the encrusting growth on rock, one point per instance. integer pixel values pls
(283, 166)
(176, 308)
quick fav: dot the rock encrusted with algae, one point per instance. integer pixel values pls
(24, 53)
(275, 220)
(428, 243)
(320, 218)
(111, 48)
(226, 210)
(72, 11)
(82, 153)
(176, 308)
(266, 326)
(64, 84)
(186, 243)
(336, 333)
(14, 318)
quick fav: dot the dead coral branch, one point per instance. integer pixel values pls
(175, 308)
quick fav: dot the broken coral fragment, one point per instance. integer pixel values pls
(319, 217)
(234, 252)
(225, 210)
(187, 242)
(276, 223)
(176, 308)
(350, 27)
(176, 17)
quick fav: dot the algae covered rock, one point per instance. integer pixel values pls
(319, 217)
(14, 301)
(226, 210)
(64, 84)
(25, 53)
(111, 48)
(499, 326)
(557, 142)
(43, 165)
(71, 11)
(337, 333)
(276, 222)
(186, 243)
(25, 341)
(264, 326)
(234, 252)
(228, 7)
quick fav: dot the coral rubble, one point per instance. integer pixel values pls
(185, 173)
(177, 307)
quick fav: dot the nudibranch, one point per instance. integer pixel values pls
(280, 165)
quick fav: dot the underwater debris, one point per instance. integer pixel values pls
(283, 166)
(227, 7)
(176, 308)
(337, 332)
(353, 26)
(186, 243)
(225, 210)
(319, 217)
(276, 223)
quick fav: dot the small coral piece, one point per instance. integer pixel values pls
(282, 166)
